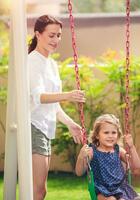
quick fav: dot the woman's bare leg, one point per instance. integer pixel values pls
(40, 173)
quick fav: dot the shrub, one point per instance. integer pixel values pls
(104, 93)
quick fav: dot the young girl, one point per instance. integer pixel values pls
(45, 89)
(106, 158)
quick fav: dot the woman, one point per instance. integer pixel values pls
(45, 88)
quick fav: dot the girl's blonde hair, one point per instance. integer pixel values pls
(106, 118)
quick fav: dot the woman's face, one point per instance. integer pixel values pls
(108, 135)
(49, 38)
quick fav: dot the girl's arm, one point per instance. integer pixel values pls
(102, 197)
(81, 164)
(134, 157)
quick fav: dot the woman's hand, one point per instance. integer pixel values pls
(76, 96)
(76, 132)
(74, 128)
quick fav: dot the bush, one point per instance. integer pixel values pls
(94, 106)
(101, 80)
(104, 94)
(114, 69)
(4, 58)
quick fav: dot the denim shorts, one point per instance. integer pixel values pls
(40, 143)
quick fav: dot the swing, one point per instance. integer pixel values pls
(90, 175)
(127, 99)
(91, 185)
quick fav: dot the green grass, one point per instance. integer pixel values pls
(136, 184)
(65, 186)
(62, 186)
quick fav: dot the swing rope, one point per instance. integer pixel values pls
(75, 57)
(127, 98)
(90, 176)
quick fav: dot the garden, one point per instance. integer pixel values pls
(66, 186)
(103, 80)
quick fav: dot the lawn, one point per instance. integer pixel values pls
(64, 186)
(67, 186)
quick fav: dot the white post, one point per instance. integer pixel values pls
(21, 82)
(10, 161)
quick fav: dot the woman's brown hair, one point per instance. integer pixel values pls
(40, 26)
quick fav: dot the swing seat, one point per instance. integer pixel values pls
(91, 185)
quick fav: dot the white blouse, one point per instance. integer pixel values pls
(44, 78)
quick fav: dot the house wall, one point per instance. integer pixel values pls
(96, 33)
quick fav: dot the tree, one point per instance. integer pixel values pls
(135, 5)
(103, 94)
(114, 69)
(4, 35)
(94, 106)
(4, 7)
(94, 6)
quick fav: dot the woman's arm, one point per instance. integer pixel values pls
(73, 127)
(38, 88)
(73, 96)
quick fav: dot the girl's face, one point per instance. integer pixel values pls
(108, 135)
(49, 38)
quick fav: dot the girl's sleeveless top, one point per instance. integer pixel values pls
(109, 175)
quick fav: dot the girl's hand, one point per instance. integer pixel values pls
(76, 96)
(128, 140)
(85, 152)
